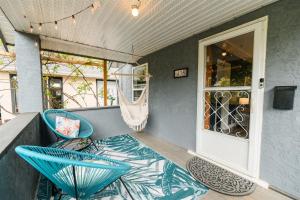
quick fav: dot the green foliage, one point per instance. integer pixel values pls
(55, 68)
(84, 88)
(111, 99)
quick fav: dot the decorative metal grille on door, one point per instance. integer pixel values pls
(228, 112)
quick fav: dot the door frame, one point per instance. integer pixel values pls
(260, 41)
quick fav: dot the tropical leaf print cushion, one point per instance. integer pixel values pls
(67, 127)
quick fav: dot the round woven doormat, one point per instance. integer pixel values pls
(219, 179)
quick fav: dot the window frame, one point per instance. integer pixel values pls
(46, 102)
(13, 92)
(97, 92)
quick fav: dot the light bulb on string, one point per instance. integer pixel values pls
(40, 26)
(36, 43)
(31, 28)
(93, 8)
(134, 10)
(74, 20)
(55, 25)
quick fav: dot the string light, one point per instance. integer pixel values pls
(55, 25)
(40, 26)
(36, 43)
(31, 28)
(73, 18)
(92, 8)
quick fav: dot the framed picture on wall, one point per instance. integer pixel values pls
(181, 73)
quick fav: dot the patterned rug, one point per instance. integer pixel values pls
(219, 179)
(152, 176)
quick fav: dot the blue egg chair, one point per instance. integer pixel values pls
(49, 116)
(86, 129)
(77, 174)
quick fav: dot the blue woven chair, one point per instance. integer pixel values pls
(78, 174)
(49, 116)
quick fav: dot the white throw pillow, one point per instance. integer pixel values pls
(67, 127)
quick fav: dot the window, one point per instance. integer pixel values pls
(112, 96)
(53, 90)
(138, 83)
(81, 82)
(14, 86)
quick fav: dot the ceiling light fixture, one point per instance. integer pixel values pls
(135, 8)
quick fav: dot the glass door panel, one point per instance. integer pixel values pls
(229, 62)
(227, 91)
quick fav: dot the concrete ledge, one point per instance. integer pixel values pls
(106, 121)
(10, 131)
(92, 108)
(18, 179)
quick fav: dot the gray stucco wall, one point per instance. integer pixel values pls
(106, 122)
(18, 179)
(30, 97)
(173, 101)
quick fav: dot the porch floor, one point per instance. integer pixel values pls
(180, 156)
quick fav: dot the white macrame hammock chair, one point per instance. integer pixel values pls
(135, 114)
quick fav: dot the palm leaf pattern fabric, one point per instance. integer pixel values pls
(152, 176)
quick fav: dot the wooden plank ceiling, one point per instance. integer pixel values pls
(159, 24)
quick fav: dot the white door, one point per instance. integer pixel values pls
(230, 97)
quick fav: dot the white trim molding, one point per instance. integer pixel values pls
(248, 160)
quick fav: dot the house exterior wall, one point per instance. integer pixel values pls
(5, 97)
(69, 87)
(173, 101)
(86, 100)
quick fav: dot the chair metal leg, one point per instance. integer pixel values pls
(94, 144)
(75, 182)
(55, 191)
(126, 188)
(60, 195)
